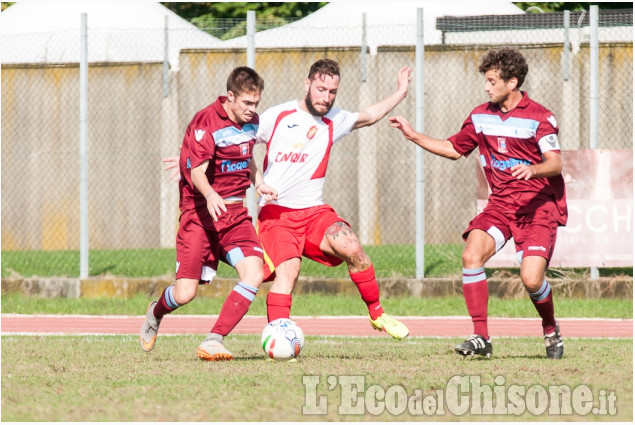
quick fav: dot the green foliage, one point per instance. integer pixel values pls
(227, 20)
(559, 6)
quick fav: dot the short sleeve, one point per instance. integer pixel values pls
(202, 145)
(547, 133)
(464, 142)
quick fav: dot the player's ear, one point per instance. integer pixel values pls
(230, 96)
(512, 83)
(307, 85)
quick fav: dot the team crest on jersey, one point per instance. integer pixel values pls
(311, 132)
(198, 135)
(552, 121)
(244, 148)
(502, 145)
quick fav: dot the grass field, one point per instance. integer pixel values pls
(324, 305)
(108, 378)
(389, 261)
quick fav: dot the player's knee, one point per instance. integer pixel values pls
(472, 259)
(532, 281)
(183, 295)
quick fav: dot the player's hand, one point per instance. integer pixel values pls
(215, 205)
(173, 162)
(402, 124)
(403, 79)
(267, 192)
(523, 172)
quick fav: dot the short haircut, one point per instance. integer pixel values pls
(508, 62)
(244, 79)
(324, 67)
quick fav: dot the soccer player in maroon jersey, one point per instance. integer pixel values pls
(519, 151)
(216, 169)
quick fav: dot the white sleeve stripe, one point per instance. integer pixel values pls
(549, 143)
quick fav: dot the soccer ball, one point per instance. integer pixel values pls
(282, 339)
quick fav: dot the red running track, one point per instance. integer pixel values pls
(343, 326)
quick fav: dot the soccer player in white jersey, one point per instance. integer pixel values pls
(519, 151)
(299, 135)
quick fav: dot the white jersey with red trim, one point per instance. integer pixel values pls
(298, 148)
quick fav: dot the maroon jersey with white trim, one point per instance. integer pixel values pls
(228, 146)
(505, 139)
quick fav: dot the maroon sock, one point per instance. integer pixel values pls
(165, 303)
(369, 290)
(278, 306)
(476, 296)
(234, 308)
(543, 301)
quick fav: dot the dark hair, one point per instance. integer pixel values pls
(244, 79)
(508, 62)
(324, 67)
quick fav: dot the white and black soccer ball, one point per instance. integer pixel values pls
(282, 339)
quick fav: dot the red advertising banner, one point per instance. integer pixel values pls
(599, 232)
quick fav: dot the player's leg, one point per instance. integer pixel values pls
(485, 235)
(192, 250)
(241, 249)
(282, 234)
(279, 298)
(173, 297)
(535, 244)
(340, 241)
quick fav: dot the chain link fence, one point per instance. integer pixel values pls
(145, 86)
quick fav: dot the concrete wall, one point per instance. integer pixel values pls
(371, 176)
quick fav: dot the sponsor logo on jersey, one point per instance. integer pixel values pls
(292, 125)
(228, 166)
(536, 248)
(291, 157)
(198, 135)
(244, 149)
(506, 164)
(552, 121)
(502, 145)
(188, 164)
(311, 132)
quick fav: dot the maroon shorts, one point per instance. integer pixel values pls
(287, 233)
(534, 234)
(230, 239)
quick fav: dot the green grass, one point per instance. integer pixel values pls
(323, 305)
(388, 260)
(109, 378)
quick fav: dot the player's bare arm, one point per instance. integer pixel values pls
(215, 204)
(550, 167)
(439, 147)
(377, 111)
(262, 189)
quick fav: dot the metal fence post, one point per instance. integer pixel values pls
(420, 186)
(594, 95)
(83, 149)
(251, 62)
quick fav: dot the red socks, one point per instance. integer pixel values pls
(369, 290)
(165, 303)
(476, 296)
(234, 308)
(278, 306)
(543, 301)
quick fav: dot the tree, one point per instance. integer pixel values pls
(546, 7)
(227, 19)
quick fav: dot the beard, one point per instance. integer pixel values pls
(309, 106)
